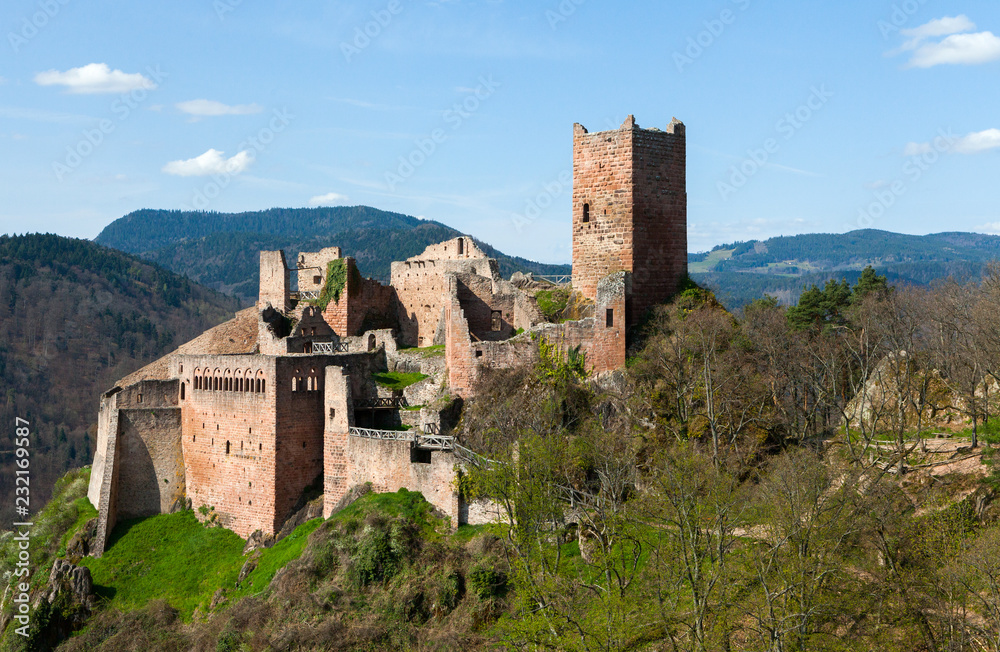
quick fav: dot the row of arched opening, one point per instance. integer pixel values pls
(244, 381)
(307, 383)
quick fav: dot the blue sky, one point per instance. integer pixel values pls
(802, 116)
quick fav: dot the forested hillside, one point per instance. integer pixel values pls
(220, 250)
(817, 478)
(74, 318)
(782, 267)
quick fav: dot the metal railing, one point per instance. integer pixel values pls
(420, 438)
(394, 403)
(330, 347)
(434, 442)
(305, 295)
(558, 280)
(382, 435)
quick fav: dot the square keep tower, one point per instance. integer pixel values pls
(630, 211)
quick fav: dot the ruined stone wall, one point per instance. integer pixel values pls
(421, 286)
(630, 210)
(138, 448)
(229, 435)
(659, 217)
(103, 488)
(300, 426)
(476, 295)
(274, 280)
(364, 305)
(463, 248)
(338, 418)
(459, 355)
(389, 466)
(311, 268)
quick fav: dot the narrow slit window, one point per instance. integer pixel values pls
(586, 212)
(610, 318)
(497, 321)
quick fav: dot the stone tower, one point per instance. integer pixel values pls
(630, 211)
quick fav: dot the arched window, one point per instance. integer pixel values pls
(586, 212)
(371, 342)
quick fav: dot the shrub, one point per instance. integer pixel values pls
(487, 582)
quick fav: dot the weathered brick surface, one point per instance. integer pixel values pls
(274, 280)
(311, 268)
(364, 305)
(388, 466)
(421, 286)
(151, 461)
(339, 416)
(103, 489)
(631, 183)
(230, 440)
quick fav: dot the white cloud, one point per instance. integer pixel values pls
(937, 27)
(959, 46)
(209, 163)
(95, 78)
(329, 199)
(211, 108)
(978, 142)
(974, 143)
(960, 49)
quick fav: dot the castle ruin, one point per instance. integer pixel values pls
(286, 398)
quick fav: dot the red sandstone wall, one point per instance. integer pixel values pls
(365, 304)
(300, 426)
(462, 366)
(387, 465)
(475, 295)
(240, 485)
(634, 181)
(338, 413)
(602, 178)
(659, 216)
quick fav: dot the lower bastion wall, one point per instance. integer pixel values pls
(394, 465)
(138, 448)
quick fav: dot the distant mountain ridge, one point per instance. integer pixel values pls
(220, 250)
(743, 271)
